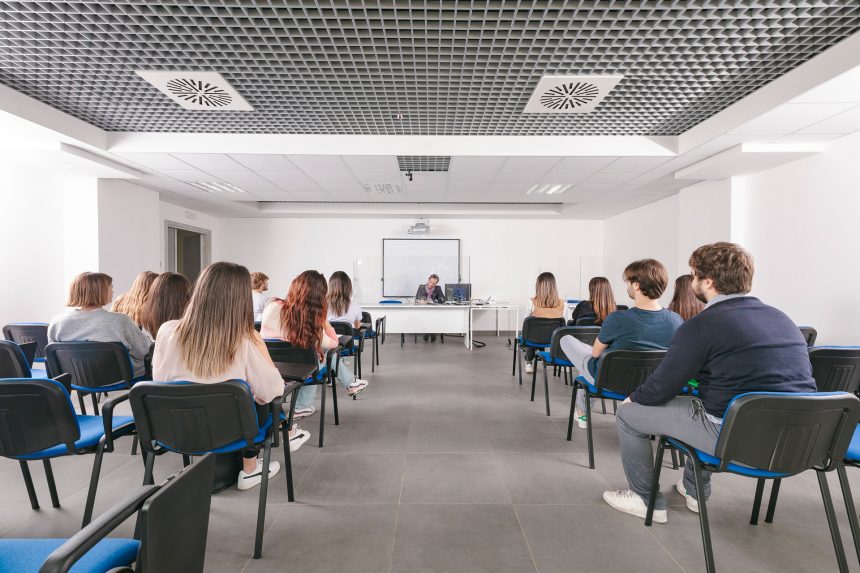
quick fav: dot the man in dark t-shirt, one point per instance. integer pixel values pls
(737, 344)
(646, 326)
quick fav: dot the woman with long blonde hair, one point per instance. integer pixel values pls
(600, 303)
(545, 304)
(131, 302)
(215, 341)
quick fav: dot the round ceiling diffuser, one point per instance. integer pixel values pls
(199, 92)
(569, 96)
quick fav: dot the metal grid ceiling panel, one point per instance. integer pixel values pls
(449, 67)
(424, 162)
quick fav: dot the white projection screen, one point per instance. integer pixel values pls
(406, 263)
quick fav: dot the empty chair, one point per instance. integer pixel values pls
(172, 526)
(22, 332)
(810, 334)
(771, 435)
(37, 422)
(94, 367)
(195, 419)
(537, 334)
(374, 331)
(555, 356)
(619, 373)
(13, 359)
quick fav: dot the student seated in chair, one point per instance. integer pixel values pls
(737, 344)
(600, 304)
(215, 341)
(544, 304)
(259, 285)
(131, 302)
(89, 321)
(684, 300)
(167, 300)
(646, 326)
(430, 293)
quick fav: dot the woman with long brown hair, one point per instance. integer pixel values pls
(215, 341)
(684, 300)
(340, 305)
(131, 302)
(167, 300)
(545, 304)
(300, 319)
(600, 303)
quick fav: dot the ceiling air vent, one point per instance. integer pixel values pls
(424, 162)
(384, 189)
(197, 90)
(570, 94)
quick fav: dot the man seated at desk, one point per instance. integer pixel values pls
(430, 293)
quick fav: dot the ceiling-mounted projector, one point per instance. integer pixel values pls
(419, 228)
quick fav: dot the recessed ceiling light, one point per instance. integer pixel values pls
(549, 188)
(216, 186)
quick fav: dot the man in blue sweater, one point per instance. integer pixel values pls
(737, 344)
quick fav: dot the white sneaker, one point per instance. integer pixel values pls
(582, 421)
(529, 368)
(356, 387)
(299, 438)
(629, 502)
(692, 502)
(304, 412)
(247, 481)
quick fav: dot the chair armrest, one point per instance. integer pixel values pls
(107, 417)
(67, 554)
(65, 380)
(275, 413)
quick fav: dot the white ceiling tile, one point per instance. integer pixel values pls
(371, 162)
(647, 177)
(517, 177)
(319, 163)
(210, 161)
(807, 137)
(843, 88)
(563, 178)
(583, 164)
(246, 180)
(468, 189)
(428, 178)
(635, 164)
(310, 196)
(483, 178)
(155, 161)
(393, 177)
(610, 178)
(186, 174)
(529, 164)
(790, 117)
(290, 180)
(472, 164)
(845, 122)
(339, 189)
(264, 162)
(279, 195)
(332, 176)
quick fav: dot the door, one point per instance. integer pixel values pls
(188, 250)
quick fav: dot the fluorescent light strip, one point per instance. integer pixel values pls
(216, 186)
(548, 189)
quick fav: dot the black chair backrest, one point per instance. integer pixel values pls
(22, 332)
(90, 364)
(835, 369)
(13, 363)
(343, 328)
(174, 522)
(539, 330)
(586, 334)
(282, 351)
(810, 334)
(192, 418)
(366, 318)
(258, 326)
(622, 371)
(788, 433)
(622, 307)
(380, 329)
(584, 320)
(35, 415)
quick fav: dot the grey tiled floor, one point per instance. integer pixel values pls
(444, 465)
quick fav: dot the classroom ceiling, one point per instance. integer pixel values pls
(410, 68)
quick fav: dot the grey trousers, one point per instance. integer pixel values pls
(578, 353)
(683, 418)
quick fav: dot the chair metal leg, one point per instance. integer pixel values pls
(186, 460)
(134, 445)
(288, 463)
(771, 504)
(148, 466)
(520, 365)
(674, 459)
(402, 339)
(52, 485)
(655, 481)
(849, 507)
(264, 493)
(534, 381)
(514, 365)
(94, 482)
(546, 388)
(564, 372)
(334, 401)
(82, 404)
(572, 407)
(322, 415)
(710, 565)
(588, 417)
(759, 491)
(603, 405)
(95, 404)
(831, 521)
(376, 348)
(28, 483)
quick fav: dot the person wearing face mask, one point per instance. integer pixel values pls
(737, 344)
(430, 293)
(646, 326)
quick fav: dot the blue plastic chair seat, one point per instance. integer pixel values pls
(544, 355)
(37, 372)
(28, 555)
(368, 334)
(599, 393)
(529, 343)
(92, 430)
(111, 388)
(734, 468)
(319, 376)
(853, 453)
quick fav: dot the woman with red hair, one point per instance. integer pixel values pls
(301, 321)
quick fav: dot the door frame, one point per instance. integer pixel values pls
(205, 244)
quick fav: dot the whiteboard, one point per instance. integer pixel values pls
(406, 263)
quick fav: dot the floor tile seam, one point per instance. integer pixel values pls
(525, 538)
(650, 531)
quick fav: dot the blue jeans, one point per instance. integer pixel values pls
(308, 393)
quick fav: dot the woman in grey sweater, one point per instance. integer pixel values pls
(88, 321)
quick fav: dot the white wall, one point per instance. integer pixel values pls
(800, 221)
(502, 258)
(704, 216)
